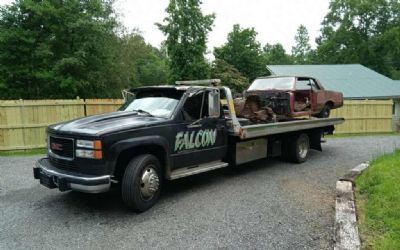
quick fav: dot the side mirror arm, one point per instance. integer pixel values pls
(195, 124)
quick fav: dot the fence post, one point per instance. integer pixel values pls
(396, 115)
(84, 106)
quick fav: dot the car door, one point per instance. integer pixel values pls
(201, 136)
(318, 96)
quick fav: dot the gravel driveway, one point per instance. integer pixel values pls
(268, 204)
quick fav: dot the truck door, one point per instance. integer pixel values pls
(201, 135)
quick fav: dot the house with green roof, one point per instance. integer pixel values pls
(356, 81)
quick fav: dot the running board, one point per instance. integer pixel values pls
(183, 172)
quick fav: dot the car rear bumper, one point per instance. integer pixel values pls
(52, 177)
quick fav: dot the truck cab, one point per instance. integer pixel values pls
(161, 133)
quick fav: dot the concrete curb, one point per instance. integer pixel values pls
(352, 174)
(346, 229)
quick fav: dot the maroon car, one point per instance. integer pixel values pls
(294, 96)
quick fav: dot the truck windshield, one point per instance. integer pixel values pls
(153, 102)
(272, 83)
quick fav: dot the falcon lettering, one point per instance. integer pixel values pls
(195, 139)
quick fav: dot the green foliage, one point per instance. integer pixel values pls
(139, 63)
(243, 51)
(302, 49)
(275, 54)
(186, 29)
(378, 203)
(55, 49)
(366, 32)
(229, 76)
(64, 49)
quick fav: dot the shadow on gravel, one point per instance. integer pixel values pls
(111, 202)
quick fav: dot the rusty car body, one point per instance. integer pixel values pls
(286, 97)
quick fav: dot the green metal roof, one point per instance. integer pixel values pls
(354, 80)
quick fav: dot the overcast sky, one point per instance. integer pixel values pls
(274, 20)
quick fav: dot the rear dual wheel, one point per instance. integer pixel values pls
(299, 148)
(141, 183)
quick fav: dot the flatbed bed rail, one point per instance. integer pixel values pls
(258, 130)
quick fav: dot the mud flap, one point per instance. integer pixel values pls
(315, 140)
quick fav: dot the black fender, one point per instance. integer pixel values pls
(156, 140)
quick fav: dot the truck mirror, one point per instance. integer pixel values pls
(214, 108)
(127, 95)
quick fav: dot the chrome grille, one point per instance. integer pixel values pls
(63, 147)
(63, 164)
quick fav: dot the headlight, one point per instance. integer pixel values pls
(92, 149)
(90, 154)
(88, 144)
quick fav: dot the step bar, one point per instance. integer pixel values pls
(183, 172)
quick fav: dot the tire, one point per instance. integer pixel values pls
(299, 148)
(326, 111)
(141, 183)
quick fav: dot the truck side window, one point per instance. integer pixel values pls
(194, 105)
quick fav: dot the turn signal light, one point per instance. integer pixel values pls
(98, 155)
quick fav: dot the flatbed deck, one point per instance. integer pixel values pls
(258, 130)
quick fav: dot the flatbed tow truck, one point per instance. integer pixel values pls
(166, 133)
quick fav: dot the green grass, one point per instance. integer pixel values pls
(378, 203)
(30, 152)
(363, 134)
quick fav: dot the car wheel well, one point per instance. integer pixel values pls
(128, 154)
(330, 103)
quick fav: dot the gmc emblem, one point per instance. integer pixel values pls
(56, 146)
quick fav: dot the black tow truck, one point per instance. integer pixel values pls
(165, 133)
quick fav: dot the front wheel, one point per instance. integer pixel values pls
(141, 184)
(299, 148)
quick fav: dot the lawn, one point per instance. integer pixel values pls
(378, 203)
(28, 152)
(363, 134)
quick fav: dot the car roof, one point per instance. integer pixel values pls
(267, 77)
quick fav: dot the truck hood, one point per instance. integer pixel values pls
(105, 123)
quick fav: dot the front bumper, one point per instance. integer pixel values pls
(52, 177)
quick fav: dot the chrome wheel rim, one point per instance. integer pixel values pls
(149, 183)
(303, 148)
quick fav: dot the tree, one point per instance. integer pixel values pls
(243, 51)
(56, 49)
(275, 54)
(229, 75)
(365, 32)
(301, 50)
(186, 29)
(139, 63)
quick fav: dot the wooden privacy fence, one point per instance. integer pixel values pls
(23, 123)
(365, 116)
(98, 106)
